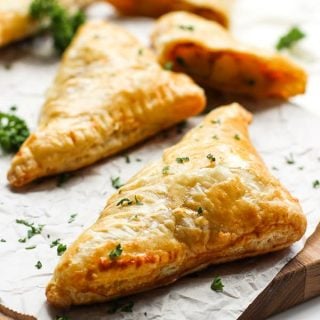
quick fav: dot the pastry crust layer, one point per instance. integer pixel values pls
(15, 22)
(209, 53)
(217, 10)
(109, 94)
(164, 234)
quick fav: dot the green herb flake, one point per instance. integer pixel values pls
(3, 240)
(316, 184)
(168, 66)
(217, 284)
(63, 178)
(215, 137)
(127, 158)
(13, 132)
(116, 183)
(137, 201)
(13, 108)
(182, 159)
(22, 240)
(237, 137)
(293, 36)
(121, 307)
(211, 157)
(186, 27)
(116, 252)
(34, 230)
(61, 248)
(218, 121)
(55, 243)
(275, 168)
(165, 170)
(124, 202)
(72, 218)
(140, 52)
(290, 160)
(57, 20)
(38, 265)
(200, 211)
(138, 159)
(30, 247)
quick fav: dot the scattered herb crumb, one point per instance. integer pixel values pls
(22, 240)
(200, 211)
(72, 217)
(140, 52)
(121, 307)
(290, 159)
(316, 184)
(116, 183)
(290, 38)
(186, 27)
(34, 230)
(237, 137)
(138, 159)
(137, 201)
(38, 265)
(165, 170)
(30, 247)
(61, 248)
(168, 65)
(13, 108)
(116, 252)
(127, 158)
(55, 243)
(218, 121)
(274, 168)
(145, 314)
(3, 240)
(182, 159)
(124, 202)
(211, 157)
(217, 284)
(215, 137)
(300, 168)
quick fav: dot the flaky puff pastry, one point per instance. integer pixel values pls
(217, 10)
(109, 94)
(211, 55)
(210, 199)
(16, 23)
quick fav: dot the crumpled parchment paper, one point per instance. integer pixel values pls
(281, 132)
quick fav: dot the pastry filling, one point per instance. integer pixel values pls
(226, 71)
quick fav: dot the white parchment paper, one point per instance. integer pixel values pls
(280, 131)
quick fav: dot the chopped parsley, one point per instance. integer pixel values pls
(72, 218)
(316, 184)
(168, 65)
(61, 24)
(165, 170)
(34, 230)
(137, 201)
(38, 265)
(217, 284)
(218, 121)
(13, 132)
(22, 240)
(61, 248)
(121, 307)
(290, 159)
(3, 240)
(63, 178)
(275, 168)
(127, 158)
(182, 159)
(140, 52)
(215, 137)
(124, 202)
(200, 211)
(290, 38)
(237, 137)
(13, 108)
(211, 157)
(116, 183)
(116, 252)
(186, 27)
(55, 243)
(31, 247)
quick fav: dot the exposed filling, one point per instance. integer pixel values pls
(227, 71)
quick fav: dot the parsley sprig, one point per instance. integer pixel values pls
(116, 252)
(217, 284)
(60, 23)
(34, 230)
(13, 132)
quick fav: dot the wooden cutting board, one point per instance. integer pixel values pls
(297, 282)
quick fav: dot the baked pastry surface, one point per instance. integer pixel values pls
(210, 199)
(109, 94)
(214, 58)
(217, 10)
(15, 22)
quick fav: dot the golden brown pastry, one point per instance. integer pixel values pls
(217, 10)
(15, 22)
(210, 199)
(109, 94)
(209, 53)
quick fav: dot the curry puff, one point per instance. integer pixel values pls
(16, 23)
(217, 10)
(210, 54)
(109, 94)
(208, 200)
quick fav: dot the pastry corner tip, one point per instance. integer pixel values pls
(55, 298)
